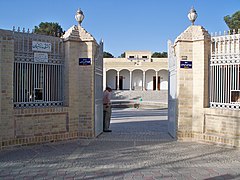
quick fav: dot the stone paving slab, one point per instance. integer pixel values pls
(144, 153)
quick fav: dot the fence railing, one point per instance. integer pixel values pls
(38, 70)
(225, 71)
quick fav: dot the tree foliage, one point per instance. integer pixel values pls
(159, 55)
(233, 22)
(107, 55)
(123, 55)
(49, 28)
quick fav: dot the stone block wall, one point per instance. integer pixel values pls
(184, 47)
(6, 93)
(44, 121)
(38, 125)
(221, 126)
(86, 93)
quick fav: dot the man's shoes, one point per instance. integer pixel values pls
(108, 130)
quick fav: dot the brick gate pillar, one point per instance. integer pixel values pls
(192, 50)
(80, 49)
(7, 124)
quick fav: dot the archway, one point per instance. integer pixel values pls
(137, 79)
(163, 79)
(111, 78)
(124, 79)
(149, 79)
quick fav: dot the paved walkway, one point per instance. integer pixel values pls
(138, 148)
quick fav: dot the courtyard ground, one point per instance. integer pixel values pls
(139, 147)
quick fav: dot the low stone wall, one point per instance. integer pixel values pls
(41, 125)
(224, 122)
(38, 139)
(153, 96)
(220, 126)
(41, 121)
(138, 104)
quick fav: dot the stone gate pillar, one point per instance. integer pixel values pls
(192, 50)
(80, 48)
(6, 87)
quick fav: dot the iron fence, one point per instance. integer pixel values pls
(225, 71)
(38, 70)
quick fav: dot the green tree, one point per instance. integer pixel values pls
(233, 22)
(107, 55)
(159, 55)
(123, 55)
(49, 28)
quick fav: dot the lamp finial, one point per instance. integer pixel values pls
(192, 15)
(79, 16)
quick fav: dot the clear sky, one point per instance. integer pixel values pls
(123, 24)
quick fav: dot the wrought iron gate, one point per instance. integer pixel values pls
(172, 90)
(98, 67)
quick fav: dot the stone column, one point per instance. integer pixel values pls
(118, 75)
(201, 55)
(143, 81)
(7, 121)
(193, 45)
(156, 80)
(130, 79)
(79, 81)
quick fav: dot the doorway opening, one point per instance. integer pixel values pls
(154, 83)
(120, 82)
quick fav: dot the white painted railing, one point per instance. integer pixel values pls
(38, 70)
(225, 71)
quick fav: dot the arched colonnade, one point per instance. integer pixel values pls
(137, 79)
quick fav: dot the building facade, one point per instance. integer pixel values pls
(138, 71)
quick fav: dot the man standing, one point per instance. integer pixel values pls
(107, 111)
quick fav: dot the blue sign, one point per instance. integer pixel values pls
(84, 61)
(186, 64)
